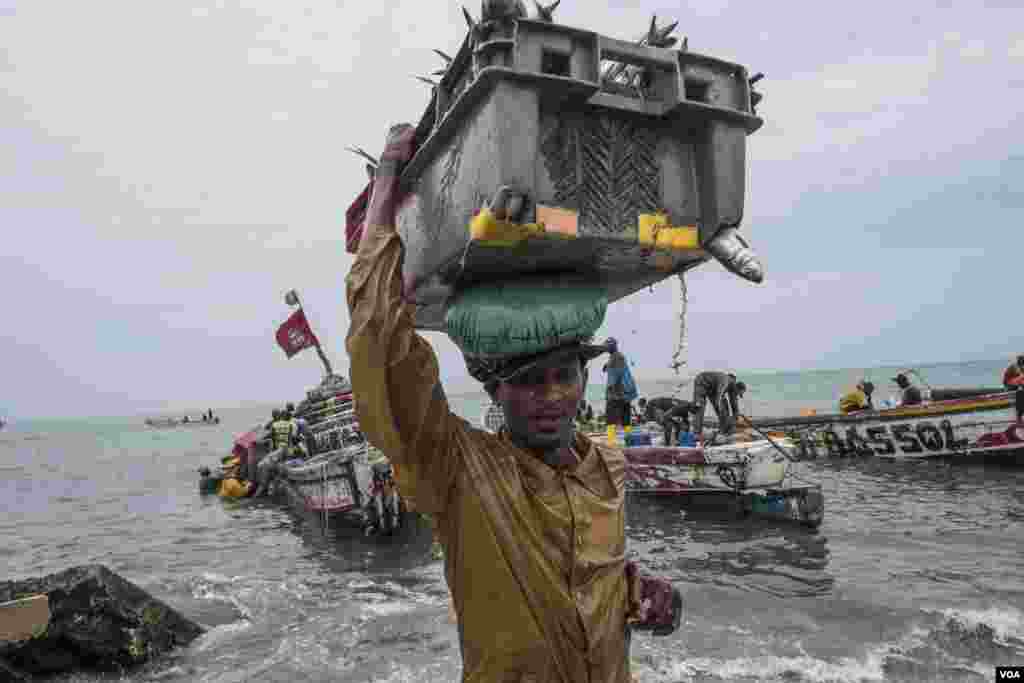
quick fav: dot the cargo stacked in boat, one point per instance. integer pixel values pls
(343, 474)
(342, 477)
(756, 474)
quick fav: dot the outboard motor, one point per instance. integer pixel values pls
(384, 502)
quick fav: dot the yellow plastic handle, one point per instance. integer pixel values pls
(487, 229)
(654, 230)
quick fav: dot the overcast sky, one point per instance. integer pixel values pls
(168, 169)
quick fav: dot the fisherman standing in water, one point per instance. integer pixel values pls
(532, 519)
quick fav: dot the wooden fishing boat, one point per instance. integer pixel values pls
(956, 424)
(343, 477)
(335, 473)
(754, 475)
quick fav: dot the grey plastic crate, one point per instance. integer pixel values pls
(526, 107)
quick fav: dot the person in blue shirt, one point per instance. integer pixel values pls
(620, 389)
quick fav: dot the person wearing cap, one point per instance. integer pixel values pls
(723, 392)
(911, 395)
(1013, 380)
(531, 519)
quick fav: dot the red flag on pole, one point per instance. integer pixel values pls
(295, 334)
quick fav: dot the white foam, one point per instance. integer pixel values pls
(219, 634)
(215, 578)
(1007, 622)
(384, 609)
(771, 668)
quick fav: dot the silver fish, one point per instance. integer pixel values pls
(734, 253)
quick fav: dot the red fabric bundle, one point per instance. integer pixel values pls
(355, 218)
(657, 605)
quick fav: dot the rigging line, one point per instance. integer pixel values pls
(679, 359)
(777, 447)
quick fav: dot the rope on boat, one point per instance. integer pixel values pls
(679, 359)
(770, 440)
(323, 470)
(780, 450)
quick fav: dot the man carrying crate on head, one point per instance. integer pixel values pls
(532, 519)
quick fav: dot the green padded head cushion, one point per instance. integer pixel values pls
(524, 316)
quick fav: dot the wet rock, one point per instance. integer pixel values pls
(97, 621)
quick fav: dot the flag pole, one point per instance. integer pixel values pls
(292, 299)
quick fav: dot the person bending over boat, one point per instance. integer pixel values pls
(585, 416)
(724, 393)
(911, 395)
(673, 414)
(532, 519)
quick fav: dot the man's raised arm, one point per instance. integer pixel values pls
(399, 401)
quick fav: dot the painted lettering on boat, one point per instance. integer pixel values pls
(913, 439)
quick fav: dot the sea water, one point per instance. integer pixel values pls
(917, 573)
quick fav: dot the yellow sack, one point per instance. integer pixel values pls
(233, 488)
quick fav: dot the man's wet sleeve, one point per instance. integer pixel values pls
(395, 380)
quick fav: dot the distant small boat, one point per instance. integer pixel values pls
(173, 422)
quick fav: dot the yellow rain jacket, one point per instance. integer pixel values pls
(534, 557)
(282, 431)
(855, 400)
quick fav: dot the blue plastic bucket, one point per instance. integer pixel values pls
(769, 504)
